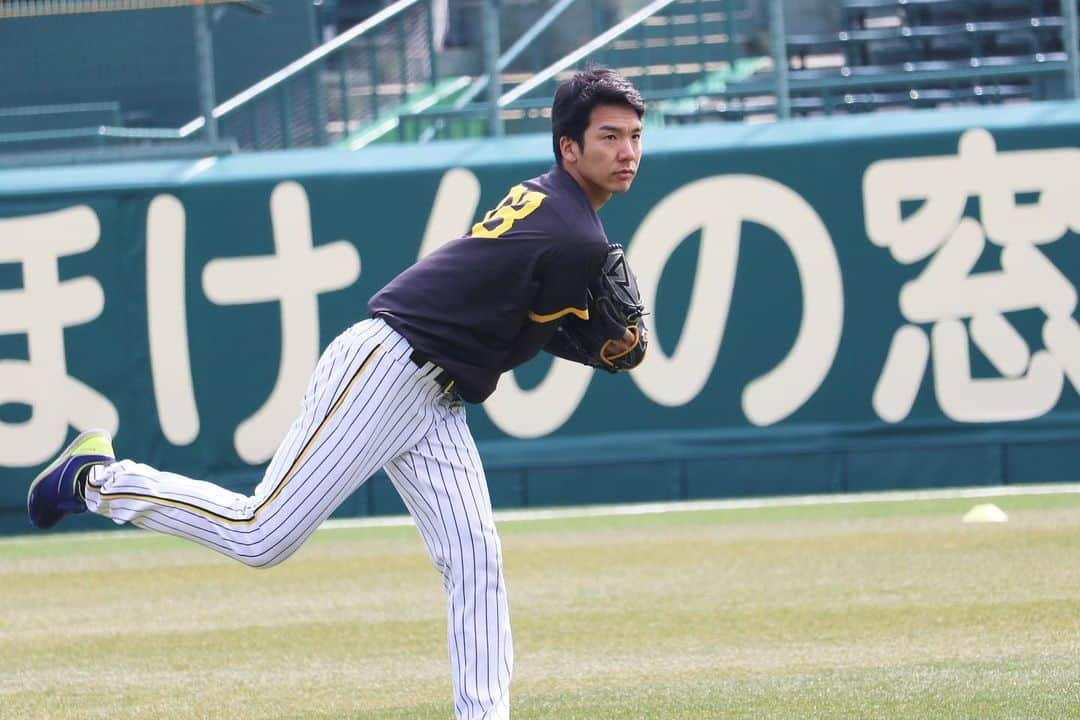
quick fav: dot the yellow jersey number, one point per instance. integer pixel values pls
(518, 203)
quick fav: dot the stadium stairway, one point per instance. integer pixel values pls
(893, 54)
(385, 128)
(688, 48)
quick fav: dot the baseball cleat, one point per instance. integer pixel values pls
(55, 492)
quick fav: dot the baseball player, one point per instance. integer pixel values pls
(536, 273)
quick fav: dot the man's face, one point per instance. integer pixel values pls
(609, 159)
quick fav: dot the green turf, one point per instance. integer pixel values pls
(875, 610)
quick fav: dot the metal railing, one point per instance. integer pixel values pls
(693, 60)
(372, 71)
(41, 8)
(671, 49)
(61, 116)
(783, 86)
(339, 87)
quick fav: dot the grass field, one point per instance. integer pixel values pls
(877, 610)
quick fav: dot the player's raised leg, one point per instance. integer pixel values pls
(57, 490)
(365, 404)
(442, 483)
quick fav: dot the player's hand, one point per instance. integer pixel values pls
(622, 345)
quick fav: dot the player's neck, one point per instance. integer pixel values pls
(595, 194)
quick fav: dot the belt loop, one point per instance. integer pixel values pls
(440, 376)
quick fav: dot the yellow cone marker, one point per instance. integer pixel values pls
(985, 513)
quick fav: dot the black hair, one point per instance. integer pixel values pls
(577, 96)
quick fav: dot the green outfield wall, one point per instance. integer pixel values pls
(838, 305)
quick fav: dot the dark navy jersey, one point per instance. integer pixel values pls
(489, 301)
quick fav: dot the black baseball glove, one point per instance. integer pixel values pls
(614, 307)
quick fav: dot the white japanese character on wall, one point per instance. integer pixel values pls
(1026, 199)
(718, 206)
(293, 276)
(40, 310)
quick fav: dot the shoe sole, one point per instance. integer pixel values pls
(68, 452)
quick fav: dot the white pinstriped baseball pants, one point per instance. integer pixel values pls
(367, 406)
